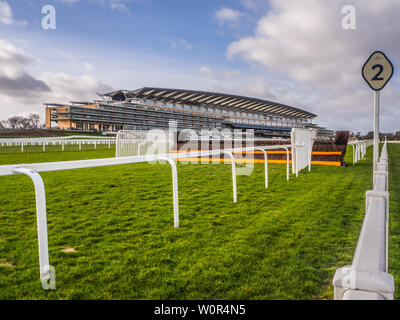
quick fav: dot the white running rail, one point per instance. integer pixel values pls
(359, 149)
(368, 278)
(32, 170)
(23, 143)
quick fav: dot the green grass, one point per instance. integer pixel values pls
(394, 208)
(281, 243)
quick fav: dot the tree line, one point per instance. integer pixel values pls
(19, 122)
(390, 136)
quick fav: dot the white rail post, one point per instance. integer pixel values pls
(265, 165)
(357, 150)
(287, 163)
(287, 157)
(233, 174)
(174, 189)
(364, 149)
(352, 145)
(41, 224)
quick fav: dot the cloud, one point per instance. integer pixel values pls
(66, 87)
(255, 4)
(88, 66)
(206, 71)
(117, 5)
(21, 91)
(180, 44)
(6, 15)
(228, 15)
(185, 44)
(111, 4)
(69, 1)
(22, 86)
(14, 79)
(304, 43)
(232, 81)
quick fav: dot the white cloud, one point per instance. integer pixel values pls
(303, 42)
(206, 71)
(20, 90)
(255, 4)
(228, 15)
(6, 15)
(185, 44)
(66, 87)
(232, 81)
(117, 5)
(180, 43)
(88, 66)
(111, 4)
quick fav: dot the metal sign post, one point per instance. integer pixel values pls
(376, 130)
(377, 72)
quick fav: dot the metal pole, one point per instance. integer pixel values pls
(41, 221)
(376, 130)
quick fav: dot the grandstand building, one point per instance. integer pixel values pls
(149, 108)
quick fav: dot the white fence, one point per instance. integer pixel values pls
(22, 144)
(359, 149)
(368, 277)
(131, 143)
(302, 156)
(32, 170)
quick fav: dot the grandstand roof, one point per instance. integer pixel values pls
(221, 100)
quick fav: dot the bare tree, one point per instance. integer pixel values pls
(18, 122)
(15, 122)
(26, 123)
(34, 118)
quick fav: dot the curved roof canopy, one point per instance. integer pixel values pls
(212, 99)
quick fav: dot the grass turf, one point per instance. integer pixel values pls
(281, 243)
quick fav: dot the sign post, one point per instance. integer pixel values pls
(376, 129)
(377, 72)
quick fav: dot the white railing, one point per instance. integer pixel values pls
(368, 277)
(23, 143)
(40, 139)
(359, 149)
(32, 170)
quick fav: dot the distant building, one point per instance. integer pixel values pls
(322, 133)
(149, 108)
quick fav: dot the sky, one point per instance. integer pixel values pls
(288, 51)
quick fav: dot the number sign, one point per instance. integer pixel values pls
(377, 71)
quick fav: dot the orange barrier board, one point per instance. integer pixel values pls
(325, 163)
(316, 153)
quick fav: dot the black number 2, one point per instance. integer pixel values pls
(377, 78)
